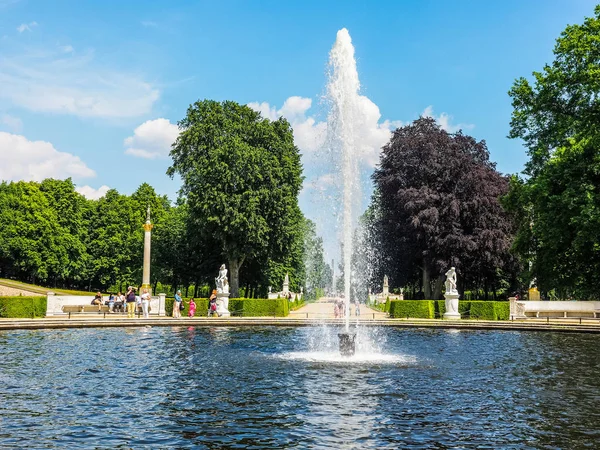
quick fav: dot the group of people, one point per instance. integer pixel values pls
(339, 308)
(179, 305)
(128, 301)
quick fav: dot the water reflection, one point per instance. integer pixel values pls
(261, 388)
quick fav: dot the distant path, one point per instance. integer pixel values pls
(323, 309)
(9, 291)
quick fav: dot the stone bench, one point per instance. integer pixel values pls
(522, 309)
(84, 309)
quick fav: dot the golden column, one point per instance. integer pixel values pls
(147, 240)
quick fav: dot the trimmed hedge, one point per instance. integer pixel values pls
(23, 307)
(416, 309)
(435, 309)
(259, 307)
(245, 307)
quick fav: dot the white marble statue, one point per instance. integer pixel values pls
(451, 281)
(221, 280)
(451, 295)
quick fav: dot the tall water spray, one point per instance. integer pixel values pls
(343, 94)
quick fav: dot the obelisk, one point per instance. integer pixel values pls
(147, 240)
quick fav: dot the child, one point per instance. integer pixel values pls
(212, 304)
(192, 310)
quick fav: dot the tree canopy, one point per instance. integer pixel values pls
(557, 203)
(437, 205)
(241, 177)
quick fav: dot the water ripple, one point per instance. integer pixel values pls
(266, 387)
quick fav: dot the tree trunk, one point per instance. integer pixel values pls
(234, 277)
(426, 282)
(437, 292)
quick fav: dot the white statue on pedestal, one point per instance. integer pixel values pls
(222, 292)
(451, 295)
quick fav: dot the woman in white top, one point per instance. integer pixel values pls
(145, 303)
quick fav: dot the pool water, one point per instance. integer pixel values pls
(268, 387)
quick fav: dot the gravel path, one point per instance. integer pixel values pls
(6, 291)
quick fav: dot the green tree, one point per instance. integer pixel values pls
(71, 210)
(558, 204)
(33, 245)
(241, 177)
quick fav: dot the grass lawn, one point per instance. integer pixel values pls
(40, 289)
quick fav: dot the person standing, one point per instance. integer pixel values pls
(177, 305)
(212, 303)
(145, 303)
(192, 310)
(111, 303)
(130, 299)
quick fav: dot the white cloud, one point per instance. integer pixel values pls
(91, 193)
(152, 139)
(310, 134)
(444, 121)
(66, 48)
(62, 83)
(12, 123)
(22, 159)
(266, 110)
(26, 26)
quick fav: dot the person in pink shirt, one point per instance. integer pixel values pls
(192, 310)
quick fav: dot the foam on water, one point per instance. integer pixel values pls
(322, 345)
(358, 358)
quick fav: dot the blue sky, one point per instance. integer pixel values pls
(92, 90)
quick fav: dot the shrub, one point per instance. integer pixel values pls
(439, 308)
(482, 310)
(416, 309)
(17, 307)
(259, 307)
(468, 309)
(502, 310)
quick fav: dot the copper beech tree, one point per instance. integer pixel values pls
(437, 205)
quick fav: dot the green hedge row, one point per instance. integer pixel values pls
(244, 307)
(259, 307)
(16, 307)
(417, 309)
(468, 309)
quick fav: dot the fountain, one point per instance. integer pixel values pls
(342, 92)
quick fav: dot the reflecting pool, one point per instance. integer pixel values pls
(284, 388)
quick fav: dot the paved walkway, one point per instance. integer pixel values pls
(323, 309)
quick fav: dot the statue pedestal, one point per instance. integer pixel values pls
(223, 304)
(451, 306)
